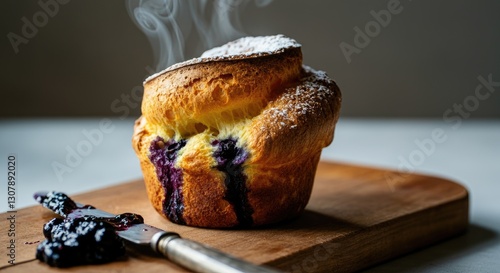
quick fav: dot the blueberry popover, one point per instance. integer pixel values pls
(233, 138)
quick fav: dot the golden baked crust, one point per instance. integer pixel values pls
(265, 110)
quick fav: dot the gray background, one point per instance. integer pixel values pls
(423, 62)
(426, 60)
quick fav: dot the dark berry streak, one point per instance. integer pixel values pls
(163, 155)
(230, 159)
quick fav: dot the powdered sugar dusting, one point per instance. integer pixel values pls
(243, 48)
(249, 46)
(315, 88)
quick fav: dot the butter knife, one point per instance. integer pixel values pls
(187, 253)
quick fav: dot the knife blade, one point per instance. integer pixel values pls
(190, 254)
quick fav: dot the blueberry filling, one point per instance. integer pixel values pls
(230, 159)
(75, 241)
(163, 155)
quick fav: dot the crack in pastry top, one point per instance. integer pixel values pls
(243, 48)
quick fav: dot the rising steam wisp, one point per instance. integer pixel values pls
(169, 23)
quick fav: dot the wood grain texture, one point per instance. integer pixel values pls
(357, 217)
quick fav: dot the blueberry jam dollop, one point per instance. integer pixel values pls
(230, 159)
(163, 155)
(85, 236)
(58, 202)
(75, 241)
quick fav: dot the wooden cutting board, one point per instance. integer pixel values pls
(357, 217)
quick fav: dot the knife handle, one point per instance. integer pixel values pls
(201, 258)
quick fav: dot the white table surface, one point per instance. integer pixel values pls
(469, 154)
